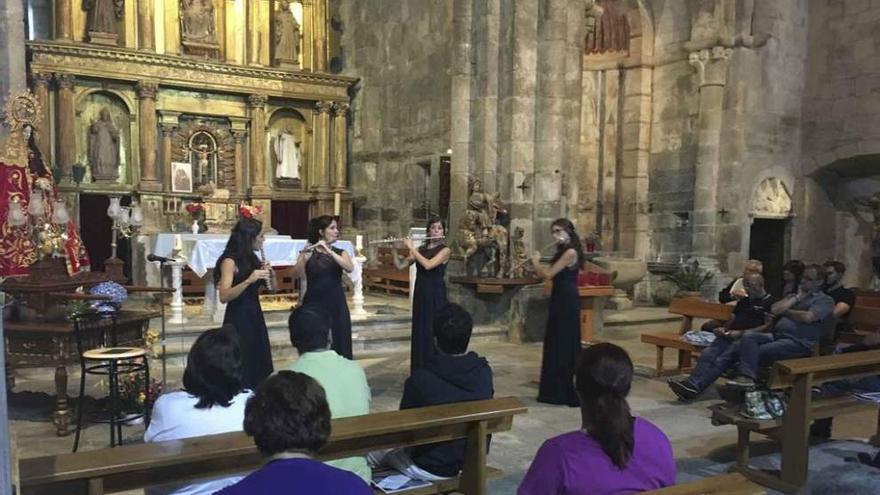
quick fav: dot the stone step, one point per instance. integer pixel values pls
(640, 319)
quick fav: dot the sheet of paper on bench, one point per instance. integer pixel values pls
(392, 481)
(868, 396)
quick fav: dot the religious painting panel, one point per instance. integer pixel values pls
(181, 177)
(288, 153)
(104, 139)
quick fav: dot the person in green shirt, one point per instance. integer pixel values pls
(344, 381)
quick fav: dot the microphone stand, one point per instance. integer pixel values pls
(164, 355)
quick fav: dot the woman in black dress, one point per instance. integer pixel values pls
(430, 292)
(239, 274)
(562, 340)
(323, 266)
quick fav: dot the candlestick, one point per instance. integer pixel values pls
(337, 203)
(359, 242)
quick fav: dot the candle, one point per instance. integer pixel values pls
(359, 242)
(178, 242)
(337, 199)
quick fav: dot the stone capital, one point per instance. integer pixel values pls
(167, 129)
(240, 135)
(323, 106)
(146, 89)
(711, 65)
(41, 79)
(65, 81)
(340, 109)
(257, 101)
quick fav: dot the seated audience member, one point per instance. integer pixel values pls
(734, 292)
(792, 271)
(289, 418)
(212, 401)
(344, 382)
(795, 333)
(844, 299)
(748, 316)
(450, 375)
(613, 452)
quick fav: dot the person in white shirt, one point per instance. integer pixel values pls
(212, 401)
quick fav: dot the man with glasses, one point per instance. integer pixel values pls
(795, 333)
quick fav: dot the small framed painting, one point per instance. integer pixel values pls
(181, 177)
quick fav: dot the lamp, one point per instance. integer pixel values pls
(15, 215)
(35, 205)
(127, 221)
(60, 216)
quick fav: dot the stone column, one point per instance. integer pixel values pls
(257, 106)
(460, 128)
(320, 177)
(65, 151)
(146, 93)
(239, 136)
(146, 35)
(44, 133)
(711, 65)
(167, 134)
(340, 149)
(63, 28)
(320, 32)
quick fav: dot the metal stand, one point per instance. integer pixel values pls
(162, 310)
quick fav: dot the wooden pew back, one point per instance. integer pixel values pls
(133, 467)
(696, 308)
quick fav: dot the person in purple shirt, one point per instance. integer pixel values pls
(613, 452)
(289, 418)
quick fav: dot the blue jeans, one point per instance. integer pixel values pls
(713, 361)
(763, 349)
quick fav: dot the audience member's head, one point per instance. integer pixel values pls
(288, 412)
(452, 329)
(753, 266)
(812, 279)
(754, 284)
(309, 328)
(833, 271)
(603, 379)
(213, 368)
(792, 271)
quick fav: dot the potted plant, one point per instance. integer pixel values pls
(133, 395)
(689, 279)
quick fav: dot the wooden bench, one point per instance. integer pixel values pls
(723, 484)
(134, 467)
(385, 275)
(793, 429)
(689, 309)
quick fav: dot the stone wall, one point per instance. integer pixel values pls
(402, 51)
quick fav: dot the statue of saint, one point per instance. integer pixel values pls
(197, 19)
(485, 204)
(288, 155)
(287, 35)
(103, 15)
(104, 148)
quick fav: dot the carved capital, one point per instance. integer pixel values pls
(167, 129)
(340, 109)
(146, 89)
(257, 101)
(711, 65)
(65, 81)
(240, 135)
(41, 79)
(323, 107)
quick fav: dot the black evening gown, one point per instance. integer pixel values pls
(562, 341)
(324, 289)
(429, 295)
(245, 315)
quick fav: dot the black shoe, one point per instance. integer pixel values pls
(865, 458)
(683, 390)
(821, 428)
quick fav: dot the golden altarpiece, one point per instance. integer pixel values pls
(173, 101)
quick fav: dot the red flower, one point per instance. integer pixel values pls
(193, 208)
(248, 211)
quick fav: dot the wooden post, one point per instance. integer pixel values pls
(257, 105)
(796, 433)
(66, 118)
(146, 92)
(473, 473)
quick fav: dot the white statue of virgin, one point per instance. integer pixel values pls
(287, 152)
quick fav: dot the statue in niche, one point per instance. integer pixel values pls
(872, 203)
(611, 33)
(103, 15)
(104, 148)
(288, 155)
(197, 19)
(201, 155)
(287, 35)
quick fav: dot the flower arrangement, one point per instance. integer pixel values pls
(249, 211)
(133, 392)
(195, 209)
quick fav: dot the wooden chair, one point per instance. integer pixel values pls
(723, 484)
(96, 341)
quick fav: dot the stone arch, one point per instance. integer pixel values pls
(771, 198)
(88, 107)
(219, 131)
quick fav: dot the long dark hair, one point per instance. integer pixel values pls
(603, 379)
(213, 368)
(240, 247)
(574, 241)
(316, 225)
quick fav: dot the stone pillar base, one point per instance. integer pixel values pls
(150, 185)
(619, 301)
(261, 191)
(110, 39)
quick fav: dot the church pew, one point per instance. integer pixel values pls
(689, 309)
(385, 275)
(798, 376)
(132, 467)
(723, 484)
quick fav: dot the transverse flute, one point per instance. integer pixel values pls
(401, 239)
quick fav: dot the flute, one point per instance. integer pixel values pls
(400, 239)
(311, 247)
(548, 246)
(270, 282)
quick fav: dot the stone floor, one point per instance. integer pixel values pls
(700, 448)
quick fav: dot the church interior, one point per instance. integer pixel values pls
(661, 171)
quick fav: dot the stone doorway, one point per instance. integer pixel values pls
(767, 243)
